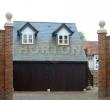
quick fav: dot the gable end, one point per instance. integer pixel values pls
(27, 25)
(63, 26)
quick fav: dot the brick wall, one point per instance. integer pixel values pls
(6, 64)
(104, 62)
(2, 63)
(108, 65)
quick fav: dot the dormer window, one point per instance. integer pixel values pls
(63, 40)
(63, 34)
(27, 38)
(27, 34)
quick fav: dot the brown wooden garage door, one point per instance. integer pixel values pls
(57, 76)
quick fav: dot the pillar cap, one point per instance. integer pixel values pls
(8, 16)
(101, 25)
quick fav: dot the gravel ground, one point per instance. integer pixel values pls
(83, 95)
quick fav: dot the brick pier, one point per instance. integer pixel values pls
(6, 63)
(104, 62)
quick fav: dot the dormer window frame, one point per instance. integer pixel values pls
(27, 35)
(27, 38)
(63, 39)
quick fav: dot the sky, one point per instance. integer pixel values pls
(85, 13)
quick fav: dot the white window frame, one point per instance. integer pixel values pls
(63, 39)
(27, 38)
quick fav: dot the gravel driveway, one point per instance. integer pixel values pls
(84, 95)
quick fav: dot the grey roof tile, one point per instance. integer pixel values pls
(45, 47)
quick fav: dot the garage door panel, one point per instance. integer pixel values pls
(57, 78)
(40, 76)
(22, 77)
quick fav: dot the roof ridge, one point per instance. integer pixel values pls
(45, 22)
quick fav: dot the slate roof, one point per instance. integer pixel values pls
(51, 27)
(45, 47)
(91, 47)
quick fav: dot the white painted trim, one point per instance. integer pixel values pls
(27, 31)
(63, 40)
(27, 39)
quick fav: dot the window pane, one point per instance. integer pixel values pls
(60, 41)
(24, 38)
(30, 40)
(66, 41)
(60, 37)
(65, 37)
(30, 36)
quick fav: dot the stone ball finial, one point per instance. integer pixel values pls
(8, 16)
(102, 24)
(102, 30)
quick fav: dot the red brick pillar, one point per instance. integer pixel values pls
(102, 83)
(6, 68)
(2, 63)
(8, 58)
